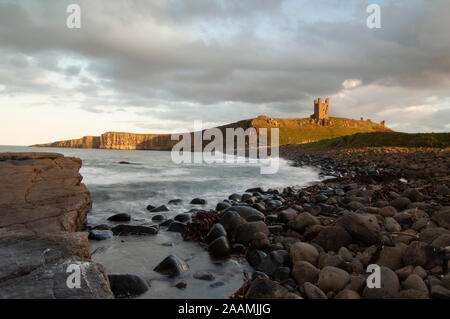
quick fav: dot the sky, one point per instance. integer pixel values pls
(154, 66)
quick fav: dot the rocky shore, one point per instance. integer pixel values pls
(43, 207)
(389, 207)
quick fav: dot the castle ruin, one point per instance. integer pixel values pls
(320, 115)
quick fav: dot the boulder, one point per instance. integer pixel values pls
(125, 285)
(198, 201)
(99, 234)
(122, 217)
(245, 232)
(303, 252)
(333, 238)
(302, 221)
(172, 266)
(390, 286)
(265, 289)
(364, 228)
(401, 203)
(215, 232)
(127, 230)
(303, 272)
(313, 292)
(332, 279)
(247, 212)
(219, 247)
(443, 218)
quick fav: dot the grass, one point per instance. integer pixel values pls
(383, 139)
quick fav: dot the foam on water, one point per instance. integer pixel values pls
(152, 178)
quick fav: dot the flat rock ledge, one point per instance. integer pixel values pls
(43, 207)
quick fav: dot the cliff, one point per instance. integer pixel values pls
(291, 131)
(43, 207)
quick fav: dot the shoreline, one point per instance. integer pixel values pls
(297, 239)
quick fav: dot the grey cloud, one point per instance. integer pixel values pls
(278, 73)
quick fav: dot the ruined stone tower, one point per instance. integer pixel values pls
(321, 111)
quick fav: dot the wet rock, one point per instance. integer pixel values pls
(158, 218)
(354, 205)
(419, 271)
(346, 254)
(387, 211)
(262, 262)
(333, 238)
(303, 252)
(281, 274)
(161, 208)
(245, 232)
(280, 256)
(198, 201)
(172, 266)
(247, 212)
(401, 203)
(392, 257)
(176, 227)
(215, 232)
(312, 232)
(219, 247)
(231, 220)
(287, 215)
(442, 241)
(421, 254)
(260, 241)
(391, 225)
(443, 218)
(413, 195)
(265, 289)
(222, 206)
(415, 282)
(102, 227)
(122, 217)
(437, 290)
(166, 222)
(412, 294)
(364, 228)
(235, 197)
(430, 234)
(98, 234)
(176, 201)
(203, 275)
(302, 221)
(128, 230)
(150, 207)
(390, 286)
(313, 292)
(304, 271)
(181, 285)
(125, 285)
(182, 218)
(367, 255)
(348, 294)
(332, 279)
(332, 260)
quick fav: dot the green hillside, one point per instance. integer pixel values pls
(302, 131)
(383, 139)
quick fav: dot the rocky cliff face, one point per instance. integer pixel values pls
(43, 207)
(292, 131)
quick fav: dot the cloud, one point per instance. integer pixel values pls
(222, 61)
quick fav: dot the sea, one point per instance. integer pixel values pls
(152, 178)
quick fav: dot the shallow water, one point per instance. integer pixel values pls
(154, 179)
